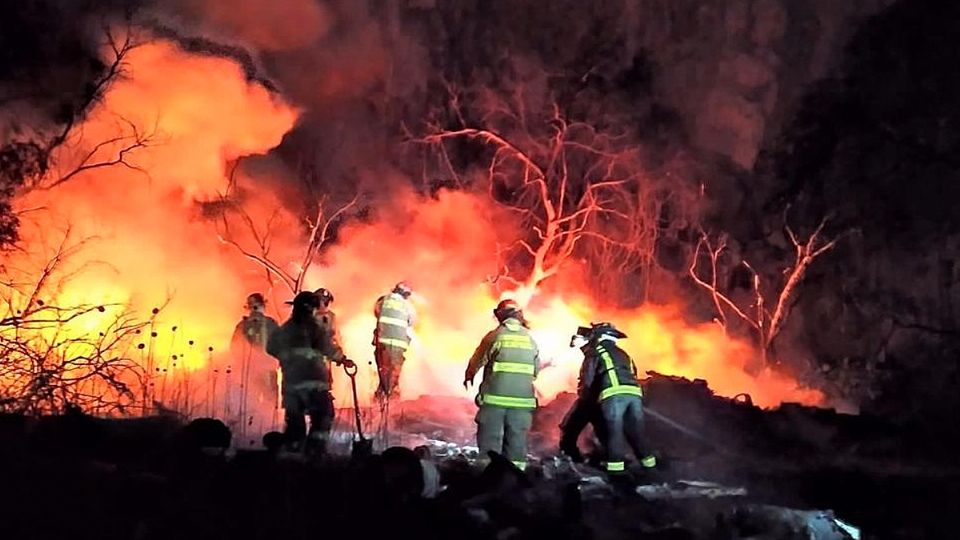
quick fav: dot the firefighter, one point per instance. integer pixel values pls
(327, 320)
(325, 316)
(256, 397)
(584, 410)
(300, 345)
(391, 338)
(255, 327)
(610, 374)
(506, 400)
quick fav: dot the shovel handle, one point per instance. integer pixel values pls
(350, 371)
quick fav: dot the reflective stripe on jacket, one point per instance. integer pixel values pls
(300, 348)
(618, 374)
(393, 321)
(509, 358)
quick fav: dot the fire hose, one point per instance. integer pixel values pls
(686, 431)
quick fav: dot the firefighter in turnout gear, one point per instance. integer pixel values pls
(584, 410)
(256, 326)
(509, 358)
(301, 346)
(327, 320)
(255, 398)
(609, 374)
(391, 338)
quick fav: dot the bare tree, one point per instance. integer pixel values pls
(55, 353)
(765, 323)
(253, 236)
(630, 246)
(570, 184)
(28, 164)
(113, 151)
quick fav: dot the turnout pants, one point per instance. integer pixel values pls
(623, 415)
(504, 431)
(389, 362)
(582, 412)
(318, 405)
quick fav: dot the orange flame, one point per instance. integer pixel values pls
(154, 245)
(150, 243)
(446, 247)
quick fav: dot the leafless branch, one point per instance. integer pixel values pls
(118, 151)
(767, 325)
(719, 299)
(54, 355)
(115, 70)
(260, 232)
(559, 217)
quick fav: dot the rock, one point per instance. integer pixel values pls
(594, 488)
(764, 521)
(207, 433)
(689, 489)
(403, 474)
(272, 441)
(431, 479)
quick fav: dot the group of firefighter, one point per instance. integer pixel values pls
(307, 344)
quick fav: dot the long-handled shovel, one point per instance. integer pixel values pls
(362, 447)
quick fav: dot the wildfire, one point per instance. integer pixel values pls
(152, 247)
(447, 248)
(144, 242)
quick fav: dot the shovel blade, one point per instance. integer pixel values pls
(362, 449)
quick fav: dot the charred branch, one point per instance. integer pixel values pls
(566, 181)
(115, 70)
(253, 238)
(766, 324)
(115, 151)
(56, 354)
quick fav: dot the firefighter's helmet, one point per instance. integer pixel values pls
(403, 289)
(255, 300)
(305, 299)
(325, 296)
(600, 329)
(506, 309)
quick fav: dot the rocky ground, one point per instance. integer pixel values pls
(729, 470)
